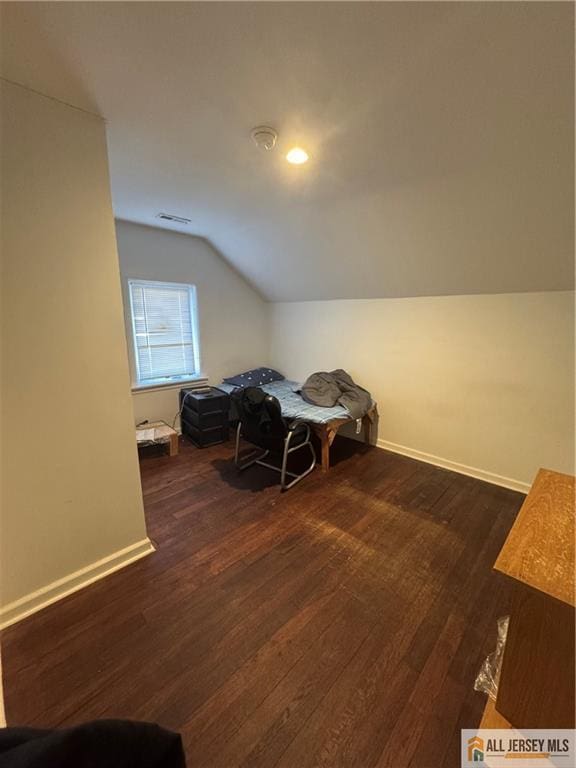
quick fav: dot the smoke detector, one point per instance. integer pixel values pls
(264, 137)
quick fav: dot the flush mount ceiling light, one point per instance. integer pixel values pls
(297, 156)
(264, 137)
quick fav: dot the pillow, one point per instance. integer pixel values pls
(254, 378)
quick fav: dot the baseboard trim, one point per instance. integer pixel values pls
(462, 469)
(36, 601)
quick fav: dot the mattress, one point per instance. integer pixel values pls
(294, 406)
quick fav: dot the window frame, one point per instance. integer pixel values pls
(177, 379)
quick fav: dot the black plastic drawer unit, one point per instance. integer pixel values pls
(204, 416)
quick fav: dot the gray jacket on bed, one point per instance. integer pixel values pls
(328, 389)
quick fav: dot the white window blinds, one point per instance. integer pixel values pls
(165, 330)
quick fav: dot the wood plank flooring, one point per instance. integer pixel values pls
(339, 624)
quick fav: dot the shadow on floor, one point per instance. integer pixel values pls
(345, 448)
(257, 478)
(253, 479)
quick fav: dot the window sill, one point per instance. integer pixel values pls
(138, 389)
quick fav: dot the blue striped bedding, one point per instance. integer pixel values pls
(294, 406)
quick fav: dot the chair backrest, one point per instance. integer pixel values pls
(261, 418)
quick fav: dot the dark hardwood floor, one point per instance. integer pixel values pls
(339, 624)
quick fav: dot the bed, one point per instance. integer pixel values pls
(324, 421)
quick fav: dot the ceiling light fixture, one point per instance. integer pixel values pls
(264, 137)
(297, 156)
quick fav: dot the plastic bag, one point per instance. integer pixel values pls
(487, 680)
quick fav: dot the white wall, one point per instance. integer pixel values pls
(486, 382)
(71, 491)
(233, 317)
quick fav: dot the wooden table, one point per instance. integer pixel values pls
(536, 687)
(328, 431)
(492, 718)
(158, 432)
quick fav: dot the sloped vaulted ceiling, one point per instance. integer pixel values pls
(440, 134)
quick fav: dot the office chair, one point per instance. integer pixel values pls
(261, 423)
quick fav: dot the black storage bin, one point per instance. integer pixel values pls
(204, 416)
(203, 420)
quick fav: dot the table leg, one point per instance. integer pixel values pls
(369, 420)
(174, 444)
(367, 428)
(325, 440)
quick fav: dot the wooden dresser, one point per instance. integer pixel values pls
(536, 688)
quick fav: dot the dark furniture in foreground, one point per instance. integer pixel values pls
(261, 423)
(110, 743)
(204, 416)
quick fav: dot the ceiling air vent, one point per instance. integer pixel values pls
(173, 219)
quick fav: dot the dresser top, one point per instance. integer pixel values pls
(539, 550)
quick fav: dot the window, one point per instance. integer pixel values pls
(165, 331)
